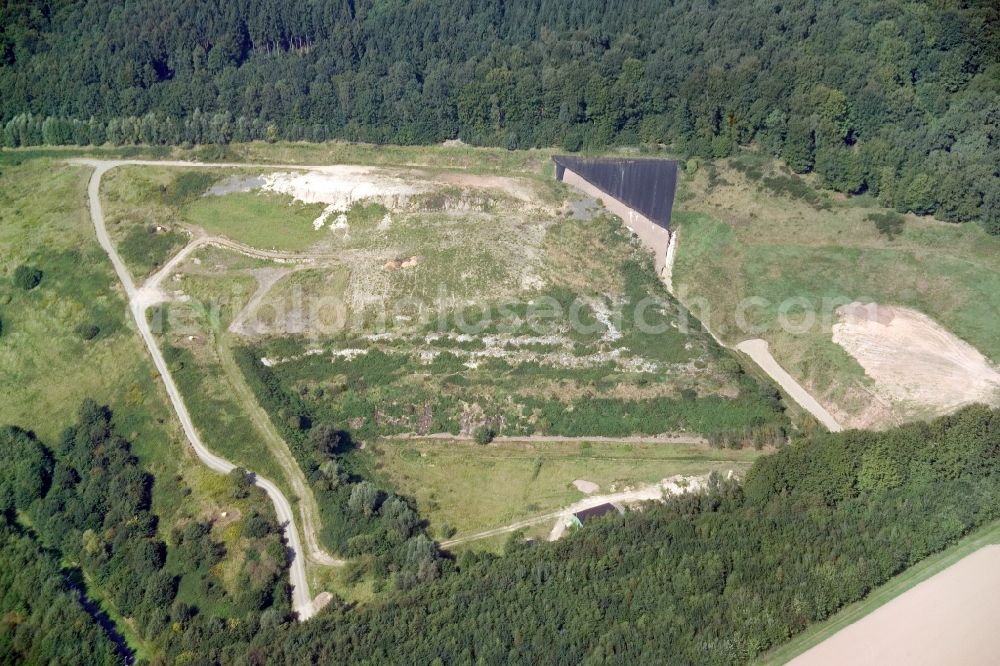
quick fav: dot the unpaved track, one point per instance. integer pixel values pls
(278, 449)
(600, 439)
(301, 599)
(759, 353)
(757, 350)
(654, 492)
(266, 278)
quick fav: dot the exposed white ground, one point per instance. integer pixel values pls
(913, 359)
(947, 619)
(675, 485)
(140, 299)
(340, 187)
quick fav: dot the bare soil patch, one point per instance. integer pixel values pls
(947, 619)
(913, 359)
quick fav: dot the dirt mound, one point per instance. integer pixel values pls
(912, 359)
(396, 264)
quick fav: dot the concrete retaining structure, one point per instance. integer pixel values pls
(652, 235)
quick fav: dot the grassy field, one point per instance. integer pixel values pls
(926, 569)
(194, 339)
(742, 239)
(266, 221)
(47, 367)
(141, 216)
(470, 487)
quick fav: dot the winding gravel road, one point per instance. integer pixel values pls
(139, 301)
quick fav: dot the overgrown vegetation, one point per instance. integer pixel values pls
(720, 577)
(149, 245)
(27, 277)
(359, 518)
(600, 350)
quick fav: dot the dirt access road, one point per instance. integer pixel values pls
(759, 353)
(599, 439)
(646, 493)
(675, 485)
(141, 299)
(757, 350)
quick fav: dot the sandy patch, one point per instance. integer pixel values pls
(947, 619)
(913, 359)
(321, 600)
(516, 187)
(342, 186)
(586, 487)
(406, 262)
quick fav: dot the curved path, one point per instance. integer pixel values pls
(757, 349)
(139, 301)
(645, 494)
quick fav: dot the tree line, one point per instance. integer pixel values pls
(893, 98)
(715, 578)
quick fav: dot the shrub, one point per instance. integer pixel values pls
(484, 435)
(87, 331)
(889, 224)
(240, 483)
(27, 277)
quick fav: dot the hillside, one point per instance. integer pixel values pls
(897, 99)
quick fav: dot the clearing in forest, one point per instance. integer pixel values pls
(913, 359)
(763, 253)
(463, 302)
(463, 487)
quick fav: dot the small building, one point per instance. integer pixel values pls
(582, 516)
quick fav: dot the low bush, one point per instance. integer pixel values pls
(27, 277)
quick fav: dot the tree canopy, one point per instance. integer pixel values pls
(894, 98)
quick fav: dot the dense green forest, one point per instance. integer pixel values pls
(895, 98)
(714, 578)
(79, 512)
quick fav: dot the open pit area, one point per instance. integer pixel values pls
(913, 360)
(403, 299)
